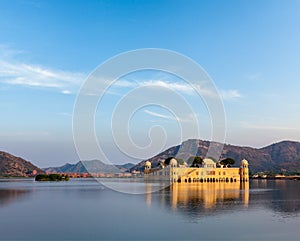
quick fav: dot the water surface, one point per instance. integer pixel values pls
(82, 209)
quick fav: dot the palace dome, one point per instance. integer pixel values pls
(173, 162)
(244, 162)
(209, 163)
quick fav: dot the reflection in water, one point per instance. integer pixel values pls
(9, 195)
(202, 198)
(280, 195)
(180, 212)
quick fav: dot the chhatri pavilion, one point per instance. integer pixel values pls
(208, 172)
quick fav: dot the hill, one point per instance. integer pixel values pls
(278, 157)
(125, 167)
(11, 165)
(93, 166)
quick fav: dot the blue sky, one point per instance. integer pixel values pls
(47, 49)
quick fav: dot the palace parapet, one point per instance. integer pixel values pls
(208, 172)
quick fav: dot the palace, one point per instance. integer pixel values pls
(208, 172)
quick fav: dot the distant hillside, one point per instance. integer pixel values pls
(125, 167)
(276, 157)
(93, 166)
(11, 165)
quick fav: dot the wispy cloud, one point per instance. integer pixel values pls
(159, 115)
(171, 117)
(156, 83)
(230, 94)
(66, 92)
(15, 72)
(126, 83)
(184, 88)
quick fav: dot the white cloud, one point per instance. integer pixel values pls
(230, 94)
(159, 115)
(171, 117)
(126, 83)
(16, 72)
(66, 92)
(184, 88)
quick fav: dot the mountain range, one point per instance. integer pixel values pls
(92, 166)
(278, 157)
(11, 165)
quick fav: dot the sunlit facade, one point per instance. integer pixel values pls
(209, 172)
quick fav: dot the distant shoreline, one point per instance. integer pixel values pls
(294, 177)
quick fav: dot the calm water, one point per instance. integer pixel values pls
(85, 210)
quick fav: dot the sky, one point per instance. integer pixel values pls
(48, 49)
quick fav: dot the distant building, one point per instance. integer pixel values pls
(135, 172)
(209, 172)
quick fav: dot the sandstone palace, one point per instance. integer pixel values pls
(207, 172)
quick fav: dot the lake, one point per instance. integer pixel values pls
(83, 209)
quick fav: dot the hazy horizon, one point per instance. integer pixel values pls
(48, 49)
(116, 163)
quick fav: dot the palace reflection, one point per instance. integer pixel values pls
(203, 197)
(280, 196)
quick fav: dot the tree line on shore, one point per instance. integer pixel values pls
(52, 177)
